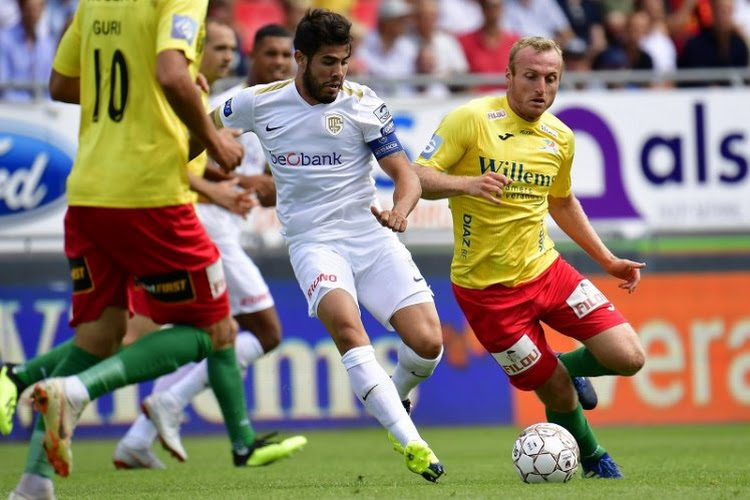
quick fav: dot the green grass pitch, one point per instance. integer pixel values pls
(676, 462)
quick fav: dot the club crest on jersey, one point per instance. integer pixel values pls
(382, 113)
(184, 28)
(550, 146)
(334, 123)
(496, 115)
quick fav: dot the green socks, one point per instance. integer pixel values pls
(581, 363)
(150, 357)
(42, 366)
(226, 382)
(575, 422)
(73, 361)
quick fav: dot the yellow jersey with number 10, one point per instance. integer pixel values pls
(508, 243)
(133, 148)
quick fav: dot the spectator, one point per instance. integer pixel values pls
(59, 15)
(576, 59)
(741, 17)
(223, 12)
(8, 13)
(538, 18)
(586, 21)
(717, 46)
(27, 52)
(657, 42)
(487, 49)
(460, 17)
(439, 53)
(386, 51)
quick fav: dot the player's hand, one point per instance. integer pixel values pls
(627, 270)
(390, 218)
(488, 186)
(202, 82)
(237, 201)
(263, 186)
(227, 152)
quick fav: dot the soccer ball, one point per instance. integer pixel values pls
(545, 453)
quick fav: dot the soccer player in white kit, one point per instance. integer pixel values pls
(322, 137)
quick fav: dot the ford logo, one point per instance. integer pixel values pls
(34, 165)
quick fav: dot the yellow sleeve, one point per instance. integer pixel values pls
(562, 187)
(181, 27)
(68, 56)
(451, 140)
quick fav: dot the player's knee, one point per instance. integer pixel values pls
(223, 333)
(633, 361)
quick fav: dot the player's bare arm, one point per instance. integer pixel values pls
(224, 193)
(65, 88)
(436, 185)
(180, 90)
(262, 185)
(405, 194)
(569, 215)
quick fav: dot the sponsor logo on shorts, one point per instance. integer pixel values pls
(251, 300)
(331, 278)
(184, 28)
(382, 113)
(216, 280)
(80, 275)
(170, 287)
(519, 357)
(586, 298)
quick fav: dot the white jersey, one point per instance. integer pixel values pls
(319, 155)
(254, 159)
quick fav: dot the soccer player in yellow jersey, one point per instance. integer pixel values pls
(132, 67)
(505, 162)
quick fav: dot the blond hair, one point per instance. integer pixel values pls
(538, 43)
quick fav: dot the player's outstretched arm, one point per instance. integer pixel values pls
(569, 215)
(180, 90)
(436, 185)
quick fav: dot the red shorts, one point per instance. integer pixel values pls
(507, 321)
(166, 249)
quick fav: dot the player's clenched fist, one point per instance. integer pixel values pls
(390, 218)
(227, 152)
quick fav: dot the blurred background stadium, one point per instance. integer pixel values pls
(659, 108)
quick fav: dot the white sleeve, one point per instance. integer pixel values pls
(375, 118)
(238, 111)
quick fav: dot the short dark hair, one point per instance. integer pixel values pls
(271, 30)
(321, 27)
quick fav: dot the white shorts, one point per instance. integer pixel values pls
(376, 269)
(248, 291)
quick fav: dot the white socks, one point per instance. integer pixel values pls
(248, 349)
(411, 370)
(141, 434)
(375, 389)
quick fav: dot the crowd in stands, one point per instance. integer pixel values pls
(397, 39)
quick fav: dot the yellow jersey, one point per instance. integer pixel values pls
(133, 148)
(508, 243)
